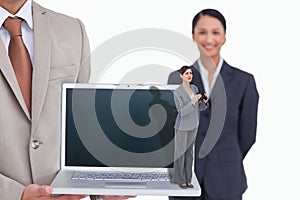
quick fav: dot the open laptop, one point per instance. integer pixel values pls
(118, 140)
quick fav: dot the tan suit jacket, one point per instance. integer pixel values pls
(60, 51)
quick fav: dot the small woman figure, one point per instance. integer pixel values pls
(189, 102)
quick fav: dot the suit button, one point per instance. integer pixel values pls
(35, 144)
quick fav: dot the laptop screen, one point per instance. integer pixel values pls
(119, 126)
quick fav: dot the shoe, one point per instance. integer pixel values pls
(183, 185)
(189, 185)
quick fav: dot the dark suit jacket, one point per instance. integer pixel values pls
(221, 173)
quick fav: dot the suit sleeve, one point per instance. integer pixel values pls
(85, 65)
(174, 78)
(248, 117)
(203, 106)
(7, 184)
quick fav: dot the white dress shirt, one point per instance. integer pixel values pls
(204, 76)
(27, 27)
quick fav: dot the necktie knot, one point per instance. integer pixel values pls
(13, 26)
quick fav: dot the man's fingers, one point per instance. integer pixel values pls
(71, 197)
(34, 190)
(45, 190)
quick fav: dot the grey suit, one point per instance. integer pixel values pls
(60, 49)
(186, 126)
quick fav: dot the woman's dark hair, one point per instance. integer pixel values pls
(183, 69)
(212, 13)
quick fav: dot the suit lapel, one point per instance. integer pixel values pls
(218, 111)
(224, 76)
(42, 50)
(9, 74)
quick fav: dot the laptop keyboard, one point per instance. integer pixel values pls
(122, 176)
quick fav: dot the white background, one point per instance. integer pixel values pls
(262, 38)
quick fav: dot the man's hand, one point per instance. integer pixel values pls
(36, 192)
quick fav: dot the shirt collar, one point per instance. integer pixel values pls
(25, 13)
(204, 71)
(3, 15)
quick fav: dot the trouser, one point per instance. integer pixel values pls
(183, 156)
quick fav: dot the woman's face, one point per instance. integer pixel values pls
(187, 76)
(210, 34)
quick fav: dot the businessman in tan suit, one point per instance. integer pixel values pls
(30, 137)
(30, 140)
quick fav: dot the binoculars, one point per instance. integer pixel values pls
(203, 97)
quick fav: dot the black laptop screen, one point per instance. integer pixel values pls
(119, 127)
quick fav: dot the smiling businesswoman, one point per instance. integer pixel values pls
(219, 154)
